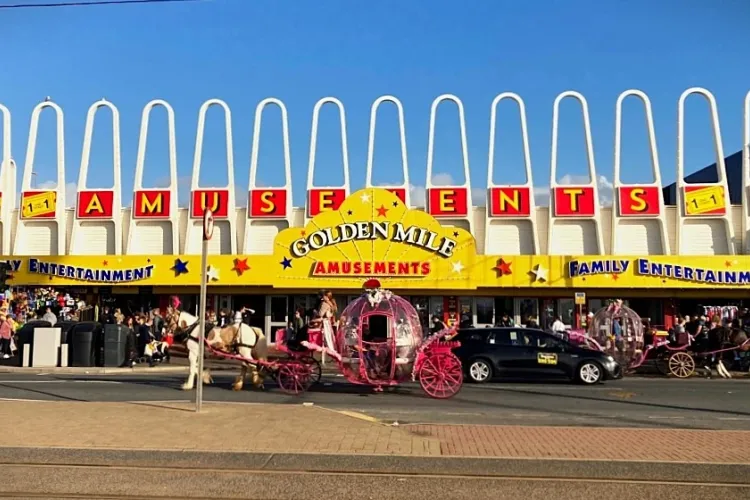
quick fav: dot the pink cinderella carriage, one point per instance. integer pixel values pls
(619, 330)
(379, 342)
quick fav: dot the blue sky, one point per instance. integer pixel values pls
(243, 51)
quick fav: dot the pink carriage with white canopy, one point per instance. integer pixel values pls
(620, 330)
(379, 342)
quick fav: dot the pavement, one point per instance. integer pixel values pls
(165, 450)
(135, 434)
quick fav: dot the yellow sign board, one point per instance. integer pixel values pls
(704, 200)
(38, 204)
(374, 235)
(580, 298)
(546, 358)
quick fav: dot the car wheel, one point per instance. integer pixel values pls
(480, 371)
(590, 373)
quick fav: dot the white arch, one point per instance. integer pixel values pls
(8, 183)
(32, 236)
(260, 234)
(557, 246)
(402, 137)
(314, 145)
(697, 232)
(468, 220)
(154, 231)
(619, 231)
(494, 228)
(220, 244)
(80, 230)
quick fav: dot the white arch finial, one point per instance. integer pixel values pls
(464, 143)
(402, 136)
(31, 148)
(721, 173)
(6, 133)
(524, 136)
(649, 127)
(88, 139)
(587, 137)
(285, 142)
(197, 157)
(314, 141)
(143, 139)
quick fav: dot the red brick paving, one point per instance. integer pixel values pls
(588, 443)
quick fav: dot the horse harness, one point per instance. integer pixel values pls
(234, 346)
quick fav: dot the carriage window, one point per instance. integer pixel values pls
(378, 327)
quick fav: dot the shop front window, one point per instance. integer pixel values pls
(421, 304)
(567, 310)
(549, 310)
(485, 311)
(526, 309)
(436, 307)
(278, 309)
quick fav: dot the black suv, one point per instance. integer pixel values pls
(524, 352)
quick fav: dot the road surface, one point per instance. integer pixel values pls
(632, 402)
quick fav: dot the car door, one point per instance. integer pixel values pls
(509, 353)
(496, 347)
(551, 355)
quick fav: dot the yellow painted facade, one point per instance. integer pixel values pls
(373, 235)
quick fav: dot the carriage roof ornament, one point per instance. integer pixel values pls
(372, 284)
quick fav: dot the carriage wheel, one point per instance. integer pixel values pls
(681, 365)
(441, 376)
(316, 371)
(294, 378)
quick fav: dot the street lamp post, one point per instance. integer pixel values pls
(208, 231)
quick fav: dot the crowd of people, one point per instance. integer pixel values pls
(18, 307)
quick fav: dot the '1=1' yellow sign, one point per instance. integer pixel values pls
(38, 204)
(704, 200)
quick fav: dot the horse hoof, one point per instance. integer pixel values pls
(187, 388)
(236, 387)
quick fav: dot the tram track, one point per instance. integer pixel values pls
(741, 482)
(126, 482)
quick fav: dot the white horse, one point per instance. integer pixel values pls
(246, 341)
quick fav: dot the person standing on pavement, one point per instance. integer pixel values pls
(558, 326)
(6, 334)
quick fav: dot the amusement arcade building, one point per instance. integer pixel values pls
(450, 258)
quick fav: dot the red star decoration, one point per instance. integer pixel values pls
(302, 233)
(240, 265)
(382, 211)
(728, 264)
(105, 263)
(615, 277)
(503, 267)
